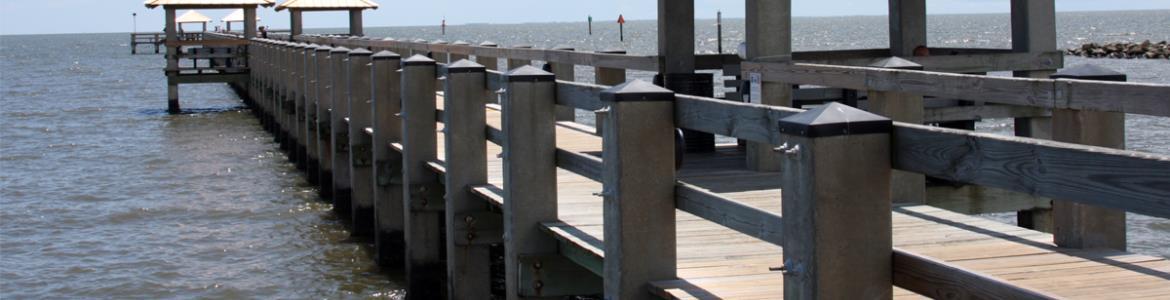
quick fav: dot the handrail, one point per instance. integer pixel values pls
(1136, 98)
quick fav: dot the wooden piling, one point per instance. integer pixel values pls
(905, 187)
(422, 193)
(1034, 30)
(298, 62)
(324, 133)
(638, 180)
(1081, 225)
(388, 204)
(172, 57)
(360, 156)
(339, 131)
(529, 168)
(837, 167)
(312, 170)
(471, 228)
(907, 26)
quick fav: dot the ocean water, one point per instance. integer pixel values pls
(104, 195)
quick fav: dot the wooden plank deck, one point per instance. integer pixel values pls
(715, 262)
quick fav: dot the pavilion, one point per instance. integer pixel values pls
(355, 8)
(237, 16)
(191, 17)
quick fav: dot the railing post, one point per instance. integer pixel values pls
(388, 205)
(530, 170)
(639, 180)
(298, 61)
(422, 193)
(324, 133)
(339, 131)
(469, 223)
(566, 72)
(606, 76)
(312, 166)
(360, 158)
(1080, 225)
(836, 204)
(489, 62)
(439, 56)
(457, 57)
(906, 187)
(517, 63)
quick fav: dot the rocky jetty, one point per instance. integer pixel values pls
(1145, 49)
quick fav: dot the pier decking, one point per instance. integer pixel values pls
(442, 156)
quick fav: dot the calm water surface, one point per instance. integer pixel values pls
(103, 195)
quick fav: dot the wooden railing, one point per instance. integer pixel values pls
(300, 92)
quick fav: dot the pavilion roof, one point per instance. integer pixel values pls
(236, 16)
(192, 16)
(327, 4)
(207, 3)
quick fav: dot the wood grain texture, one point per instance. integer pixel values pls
(939, 280)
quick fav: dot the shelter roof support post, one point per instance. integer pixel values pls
(676, 46)
(1034, 30)
(250, 23)
(172, 70)
(296, 26)
(355, 22)
(907, 26)
(769, 38)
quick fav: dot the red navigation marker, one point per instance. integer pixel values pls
(621, 19)
(621, 28)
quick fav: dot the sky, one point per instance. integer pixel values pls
(91, 16)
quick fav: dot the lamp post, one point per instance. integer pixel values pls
(134, 16)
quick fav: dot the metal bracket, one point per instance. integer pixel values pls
(479, 228)
(426, 197)
(552, 275)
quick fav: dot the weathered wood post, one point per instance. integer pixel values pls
(769, 39)
(437, 53)
(300, 64)
(489, 62)
(606, 76)
(470, 226)
(906, 187)
(355, 22)
(566, 72)
(387, 125)
(530, 170)
(836, 167)
(454, 57)
(296, 22)
(1081, 225)
(907, 26)
(172, 56)
(639, 180)
(422, 194)
(339, 131)
(360, 158)
(282, 95)
(324, 123)
(312, 168)
(517, 63)
(1034, 30)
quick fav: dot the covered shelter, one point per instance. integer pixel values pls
(355, 8)
(191, 17)
(237, 16)
(174, 74)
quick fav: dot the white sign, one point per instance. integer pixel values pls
(757, 92)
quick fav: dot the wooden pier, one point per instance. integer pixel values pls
(443, 153)
(156, 39)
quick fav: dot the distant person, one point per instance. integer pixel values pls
(264, 31)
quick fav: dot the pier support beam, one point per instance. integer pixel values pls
(423, 195)
(250, 22)
(339, 131)
(388, 204)
(360, 159)
(907, 26)
(639, 180)
(471, 228)
(530, 173)
(769, 39)
(837, 167)
(172, 62)
(1034, 30)
(1080, 225)
(296, 22)
(312, 168)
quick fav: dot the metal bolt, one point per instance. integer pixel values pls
(468, 219)
(537, 265)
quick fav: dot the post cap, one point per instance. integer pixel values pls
(465, 66)
(360, 52)
(531, 74)
(439, 42)
(564, 48)
(385, 54)
(895, 62)
(834, 119)
(612, 51)
(523, 46)
(339, 50)
(461, 43)
(420, 41)
(418, 60)
(488, 44)
(388, 39)
(636, 90)
(324, 48)
(1089, 72)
